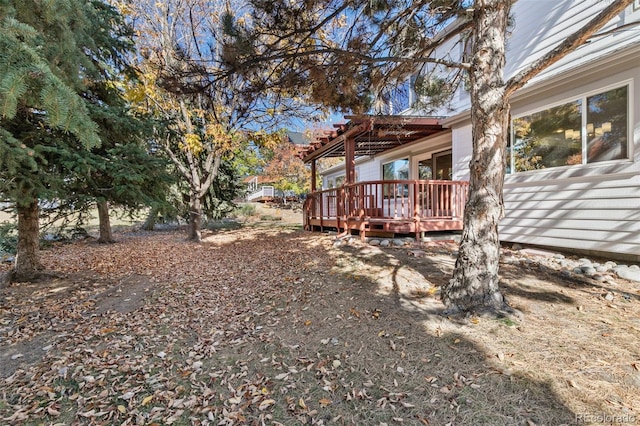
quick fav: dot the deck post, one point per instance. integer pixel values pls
(350, 178)
(416, 210)
(340, 207)
(313, 175)
(321, 213)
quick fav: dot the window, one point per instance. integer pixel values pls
(548, 138)
(443, 166)
(439, 167)
(607, 126)
(396, 170)
(425, 171)
(587, 130)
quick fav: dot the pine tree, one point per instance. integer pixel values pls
(50, 52)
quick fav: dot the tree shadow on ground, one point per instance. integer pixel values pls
(286, 328)
(399, 357)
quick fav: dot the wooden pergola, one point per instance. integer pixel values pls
(389, 206)
(367, 135)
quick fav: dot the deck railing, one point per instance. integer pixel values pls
(389, 199)
(263, 192)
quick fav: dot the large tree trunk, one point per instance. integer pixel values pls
(104, 223)
(474, 285)
(195, 217)
(27, 263)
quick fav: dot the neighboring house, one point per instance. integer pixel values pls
(261, 188)
(258, 189)
(573, 172)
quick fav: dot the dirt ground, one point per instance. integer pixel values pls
(268, 324)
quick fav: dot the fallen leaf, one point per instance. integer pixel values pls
(324, 402)
(235, 400)
(266, 404)
(127, 395)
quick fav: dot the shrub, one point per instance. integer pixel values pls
(244, 210)
(8, 238)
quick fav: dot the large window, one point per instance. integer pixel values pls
(396, 170)
(587, 130)
(439, 166)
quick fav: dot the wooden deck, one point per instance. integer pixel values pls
(390, 206)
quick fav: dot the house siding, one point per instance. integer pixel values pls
(592, 208)
(583, 214)
(461, 152)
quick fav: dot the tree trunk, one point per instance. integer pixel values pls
(195, 217)
(106, 237)
(474, 285)
(27, 263)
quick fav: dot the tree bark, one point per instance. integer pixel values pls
(27, 263)
(474, 285)
(106, 236)
(195, 217)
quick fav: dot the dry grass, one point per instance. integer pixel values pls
(282, 327)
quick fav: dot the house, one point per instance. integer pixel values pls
(262, 188)
(573, 172)
(258, 189)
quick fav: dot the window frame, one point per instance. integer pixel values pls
(583, 97)
(403, 189)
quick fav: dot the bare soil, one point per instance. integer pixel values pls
(269, 324)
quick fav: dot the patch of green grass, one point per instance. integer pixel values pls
(223, 225)
(245, 210)
(508, 322)
(270, 217)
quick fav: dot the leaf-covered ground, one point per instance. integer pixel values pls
(273, 325)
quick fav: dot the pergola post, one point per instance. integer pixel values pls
(313, 175)
(350, 160)
(350, 174)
